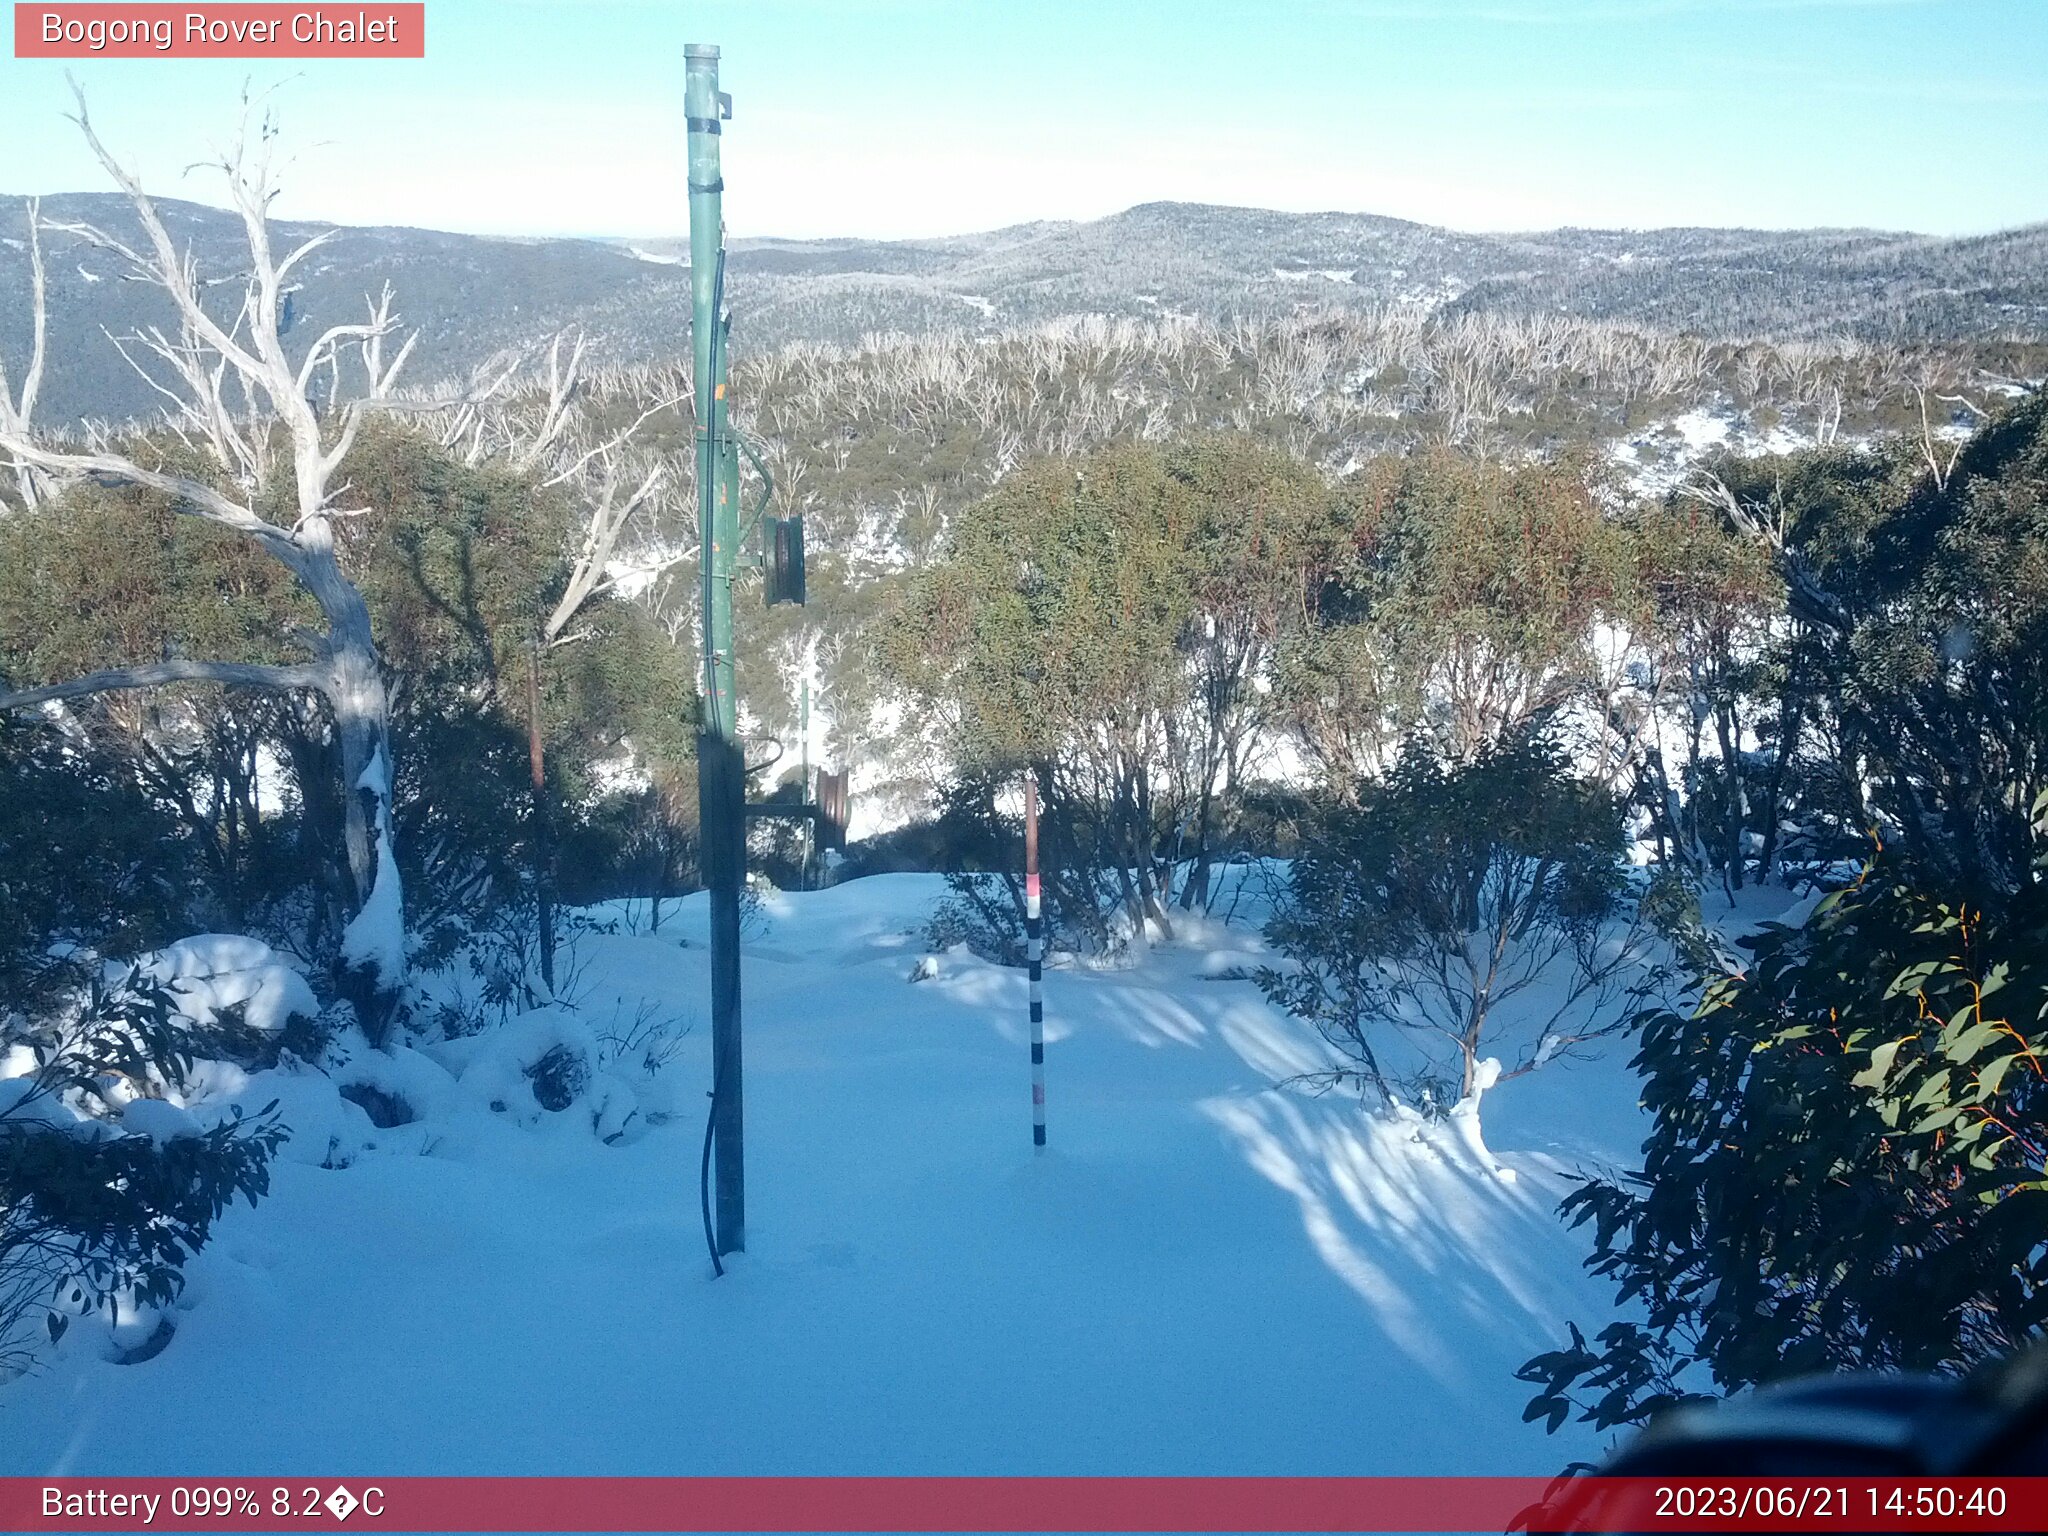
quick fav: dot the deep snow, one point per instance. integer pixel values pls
(1203, 1274)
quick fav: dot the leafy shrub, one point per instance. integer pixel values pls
(982, 914)
(85, 858)
(93, 1217)
(1849, 1163)
(1448, 890)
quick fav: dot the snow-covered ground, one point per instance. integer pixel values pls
(1203, 1274)
(1664, 453)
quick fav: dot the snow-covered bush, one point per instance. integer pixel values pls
(106, 1190)
(395, 1087)
(490, 974)
(646, 1042)
(544, 1063)
(238, 997)
(979, 914)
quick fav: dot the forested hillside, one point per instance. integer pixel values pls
(473, 297)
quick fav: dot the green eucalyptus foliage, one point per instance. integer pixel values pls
(1710, 613)
(1438, 894)
(1850, 1143)
(1919, 652)
(464, 569)
(1500, 574)
(1456, 595)
(85, 857)
(1850, 1162)
(459, 565)
(107, 577)
(1138, 623)
(104, 577)
(1051, 636)
(1058, 606)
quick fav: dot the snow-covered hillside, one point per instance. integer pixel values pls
(1204, 1274)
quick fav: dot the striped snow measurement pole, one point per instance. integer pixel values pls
(1034, 952)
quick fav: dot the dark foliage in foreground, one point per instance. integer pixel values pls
(92, 1216)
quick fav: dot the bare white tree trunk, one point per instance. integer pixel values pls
(274, 394)
(16, 412)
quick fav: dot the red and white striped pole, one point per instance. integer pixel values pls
(1034, 952)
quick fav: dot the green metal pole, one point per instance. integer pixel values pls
(721, 779)
(718, 508)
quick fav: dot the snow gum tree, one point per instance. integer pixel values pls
(1048, 638)
(1110, 621)
(1926, 645)
(1258, 547)
(267, 458)
(1494, 580)
(1457, 908)
(554, 440)
(232, 795)
(467, 567)
(1456, 595)
(1711, 613)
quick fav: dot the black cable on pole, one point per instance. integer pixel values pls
(704, 1178)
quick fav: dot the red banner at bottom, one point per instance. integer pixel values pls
(1376, 1504)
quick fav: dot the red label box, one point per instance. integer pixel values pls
(1677, 1506)
(372, 30)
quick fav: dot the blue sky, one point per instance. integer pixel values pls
(917, 117)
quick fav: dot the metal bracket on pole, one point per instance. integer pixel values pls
(767, 480)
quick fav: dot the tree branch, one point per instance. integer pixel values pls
(39, 319)
(169, 270)
(199, 499)
(1805, 596)
(156, 674)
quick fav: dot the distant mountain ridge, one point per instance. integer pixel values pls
(471, 296)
